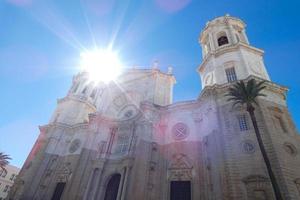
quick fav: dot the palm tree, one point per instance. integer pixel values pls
(4, 160)
(246, 94)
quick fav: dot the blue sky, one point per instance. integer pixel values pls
(41, 42)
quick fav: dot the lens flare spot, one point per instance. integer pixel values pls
(101, 65)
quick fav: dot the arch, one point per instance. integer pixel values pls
(58, 192)
(258, 187)
(112, 187)
(206, 45)
(75, 88)
(84, 90)
(94, 92)
(237, 38)
(222, 39)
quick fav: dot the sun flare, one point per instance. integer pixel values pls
(101, 65)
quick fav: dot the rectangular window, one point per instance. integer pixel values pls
(6, 188)
(4, 174)
(122, 145)
(281, 124)
(243, 123)
(230, 74)
(12, 177)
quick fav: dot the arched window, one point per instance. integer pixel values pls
(58, 191)
(237, 38)
(206, 46)
(222, 39)
(84, 90)
(281, 124)
(112, 188)
(258, 187)
(93, 94)
(76, 88)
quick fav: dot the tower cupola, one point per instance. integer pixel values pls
(227, 54)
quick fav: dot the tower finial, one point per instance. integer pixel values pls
(170, 70)
(155, 65)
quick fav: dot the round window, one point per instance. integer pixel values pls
(290, 149)
(74, 145)
(248, 147)
(180, 131)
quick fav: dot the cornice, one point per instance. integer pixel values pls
(79, 98)
(98, 117)
(170, 107)
(269, 86)
(220, 20)
(227, 49)
(62, 125)
(148, 73)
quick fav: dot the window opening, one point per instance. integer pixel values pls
(243, 123)
(231, 75)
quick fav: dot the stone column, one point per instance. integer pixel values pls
(121, 184)
(123, 196)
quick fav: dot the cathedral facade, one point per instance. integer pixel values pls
(128, 141)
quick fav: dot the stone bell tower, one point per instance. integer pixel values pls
(78, 103)
(227, 53)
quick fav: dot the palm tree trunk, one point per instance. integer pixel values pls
(275, 186)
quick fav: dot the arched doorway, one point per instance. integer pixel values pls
(58, 191)
(112, 188)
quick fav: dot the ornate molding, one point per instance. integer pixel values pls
(180, 168)
(64, 173)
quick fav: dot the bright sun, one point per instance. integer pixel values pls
(102, 65)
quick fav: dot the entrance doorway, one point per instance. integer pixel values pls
(111, 192)
(58, 191)
(180, 190)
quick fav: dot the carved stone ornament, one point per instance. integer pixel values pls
(255, 179)
(180, 168)
(64, 173)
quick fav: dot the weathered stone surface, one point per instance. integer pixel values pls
(135, 131)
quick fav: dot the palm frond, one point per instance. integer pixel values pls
(245, 93)
(4, 160)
